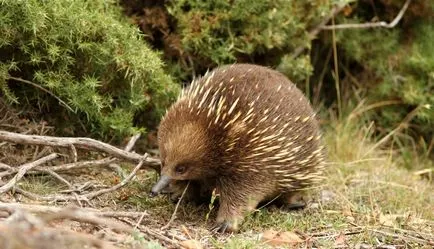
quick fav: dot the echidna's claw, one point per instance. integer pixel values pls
(222, 227)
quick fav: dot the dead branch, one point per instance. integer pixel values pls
(128, 148)
(400, 236)
(78, 215)
(58, 177)
(23, 169)
(84, 197)
(154, 234)
(117, 186)
(371, 24)
(83, 164)
(74, 153)
(35, 208)
(22, 230)
(86, 215)
(132, 142)
(5, 166)
(64, 167)
(37, 197)
(314, 32)
(80, 142)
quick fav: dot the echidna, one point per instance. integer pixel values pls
(245, 129)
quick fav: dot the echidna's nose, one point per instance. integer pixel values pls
(160, 185)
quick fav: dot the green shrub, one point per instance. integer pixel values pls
(86, 54)
(197, 35)
(398, 65)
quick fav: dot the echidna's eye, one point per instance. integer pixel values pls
(180, 169)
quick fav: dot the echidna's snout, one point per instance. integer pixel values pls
(160, 185)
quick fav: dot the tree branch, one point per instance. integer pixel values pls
(23, 169)
(371, 24)
(81, 142)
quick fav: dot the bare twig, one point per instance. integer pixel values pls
(22, 171)
(172, 218)
(35, 208)
(58, 177)
(85, 197)
(117, 186)
(5, 166)
(81, 142)
(83, 164)
(64, 167)
(78, 215)
(74, 153)
(132, 142)
(399, 236)
(154, 234)
(128, 147)
(332, 235)
(140, 220)
(44, 90)
(401, 126)
(314, 32)
(23, 235)
(37, 197)
(371, 24)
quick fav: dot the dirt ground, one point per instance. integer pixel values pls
(361, 206)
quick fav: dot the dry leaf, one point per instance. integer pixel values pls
(269, 235)
(340, 240)
(274, 238)
(191, 244)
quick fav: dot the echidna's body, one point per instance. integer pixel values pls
(248, 129)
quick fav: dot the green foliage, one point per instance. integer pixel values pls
(86, 54)
(401, 67)
(220, 32)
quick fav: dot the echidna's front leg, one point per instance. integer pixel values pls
(235, 203)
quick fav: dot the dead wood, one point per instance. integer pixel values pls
(79, 142)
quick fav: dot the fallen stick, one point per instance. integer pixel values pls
(80, 142)
(154, 234)
(80, 216)
(22, 230)
(23, 169)
(35, 208)
(84, 197)
(64, 167)
(92, 195)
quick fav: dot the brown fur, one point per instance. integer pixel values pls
(250, 155)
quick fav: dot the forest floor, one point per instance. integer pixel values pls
(369, 200)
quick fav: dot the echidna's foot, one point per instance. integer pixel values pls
(296, 206)
(225, 227)
(293, 201)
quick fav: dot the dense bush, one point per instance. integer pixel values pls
(86, 54)
(197, 35)
(396, 65)
(380, 66)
